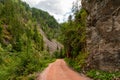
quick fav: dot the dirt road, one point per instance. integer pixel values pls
(59, 70)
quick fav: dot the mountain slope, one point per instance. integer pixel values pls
(47, 23)
(52, 45)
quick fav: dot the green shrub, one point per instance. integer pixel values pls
(73, 64)
(102, 75)
(59, 54)
(1, 49)
(9, 47)
(18, 66)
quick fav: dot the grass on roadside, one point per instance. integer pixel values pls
(102, 75)
(23, 66)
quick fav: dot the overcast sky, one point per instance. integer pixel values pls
(60, 9)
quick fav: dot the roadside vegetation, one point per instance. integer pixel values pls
(103, 75)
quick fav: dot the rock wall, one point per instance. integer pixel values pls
(103, 34)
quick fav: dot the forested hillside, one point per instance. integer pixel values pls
(17, 25)
(48, 24)
(21, 44)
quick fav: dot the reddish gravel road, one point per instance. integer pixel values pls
(59, 70)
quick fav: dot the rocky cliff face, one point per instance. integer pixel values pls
(103, 34)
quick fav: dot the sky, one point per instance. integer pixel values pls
(60, 9)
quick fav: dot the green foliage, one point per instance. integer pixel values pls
(81, 58)
(44, 18)
(0, 29)
(16, 23)
(78, 62)
(102, 75)
(73, 37)
(18, 65)
(21, 45)
(74, 34)
(1, 49)
(9, 47)
(59, 54)
(47, 23)
(73, 64)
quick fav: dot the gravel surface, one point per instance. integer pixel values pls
(59, 70)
